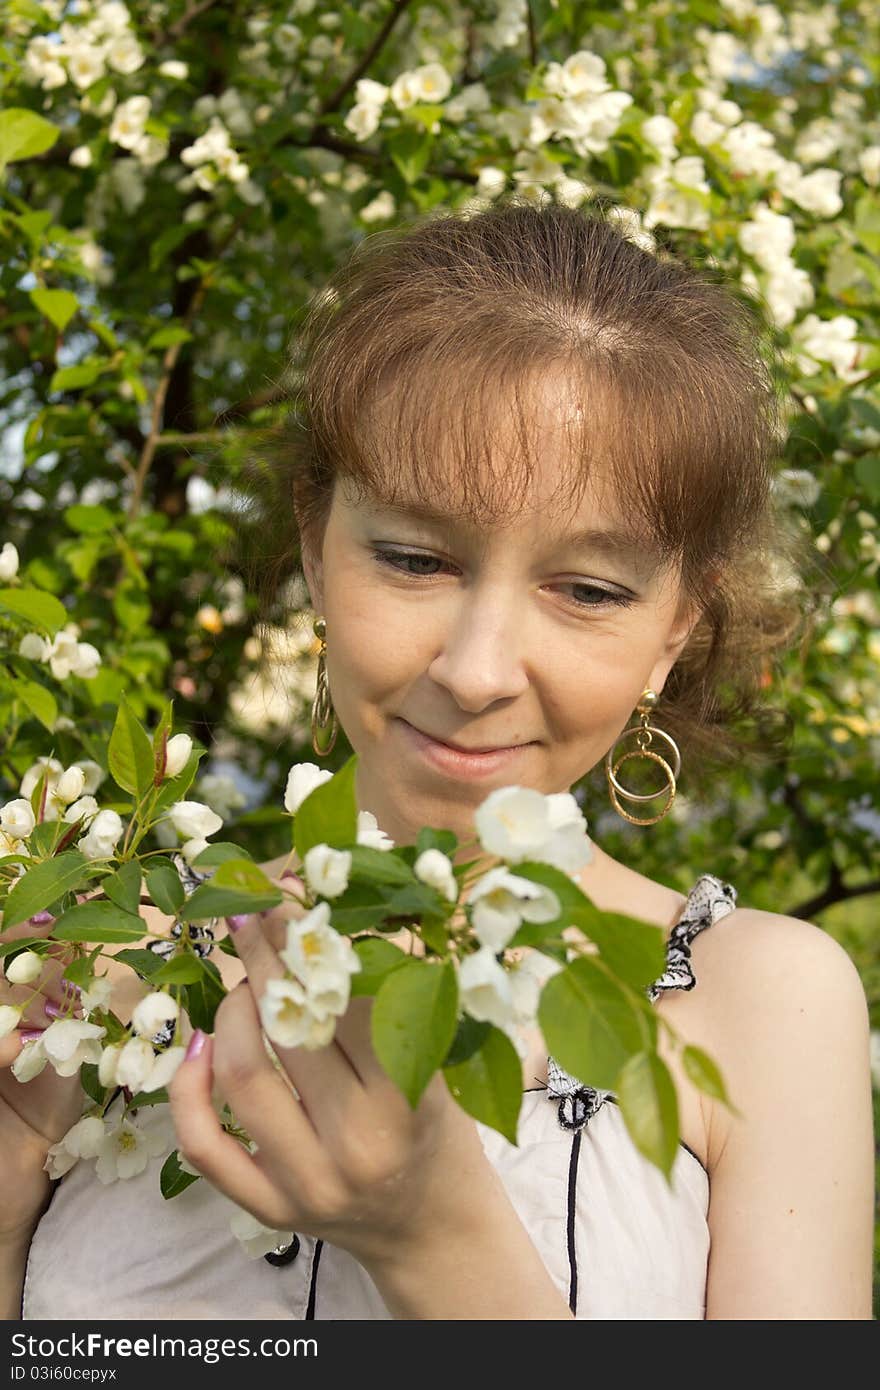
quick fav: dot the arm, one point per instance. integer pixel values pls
(792, 1180)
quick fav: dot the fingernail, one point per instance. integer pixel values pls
(288, 873)
(195, 1045)
(71, 988)
(237, 922)
(53, 1010)
(30, 1034)
(40, 919)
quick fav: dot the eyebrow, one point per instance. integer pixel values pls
(605, 540)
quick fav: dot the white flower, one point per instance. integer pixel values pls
(83, 1140)
(35, 772)
(484, 988)
(518, 823)
(383, 206)
(124, 54)
(70, 1042)
(96, 994)
(768, 237)
(369, 834)
(174, 69)
(108, 1063)
(501, 901)
(8, 562)
(17, 818)
(30, 1061)
(102, 835)
(95, 774)
(9, 1018)
(86, 661)
(327, 870)
(221, 793)
(129, 120)
(663, 134)
(134, 1063)
(34, 647)
(85, 806)
(256, 1238)
(24, 969)
(302, 779)
(85, 64)
(528, 973)
(193, 818)
(164, 1068)
(70, 785)
(370, 93)
(289, 1018)
(869, 164)
(581, 74)
(152, 1012)
(817, 192)
(63, 654)
(177, 754)
(829, 340)
(126, 1150)
(433, 82)
(435, 868)
(797, 487)
(404, 91)
(321, 958)
(191, 849)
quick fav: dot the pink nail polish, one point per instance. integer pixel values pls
(236, 922)
(195, 1045)
(70, 988)
(40, 919)
(53, 1010)
(30, 1034)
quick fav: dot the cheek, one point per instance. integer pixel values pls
(378, 640)
(591, 685)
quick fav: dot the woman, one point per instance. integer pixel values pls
(531, 488)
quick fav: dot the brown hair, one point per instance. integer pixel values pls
(451, 313)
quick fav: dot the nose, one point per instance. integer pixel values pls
(481, 659)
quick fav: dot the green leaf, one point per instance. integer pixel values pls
(444, 840)
(179, 970)
(80, 971)
(238, 885)
(649, 1105)
(413, 1023)
(172, 1179)
(40, 701)
(130, 753)
(42, 886)
(219, 853)
(470, 1035)
(703, 1072)
(131, 606)
(59, 306)
(867, 470)
(589, 1024)
(80, 374)
(88, 1077)
(23, 133)
(488, 1084)
(98, 921)
(39, 609)
(328, 815)
(165, 888)
(379, 865)
(124, 887)
(89, 520)
(205, 996)
(410, 150)
(377, 958)
(145, 963)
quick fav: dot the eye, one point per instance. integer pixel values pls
(399, 559)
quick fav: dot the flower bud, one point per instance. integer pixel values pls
(70, 784)
(24, 969)
(177, 754)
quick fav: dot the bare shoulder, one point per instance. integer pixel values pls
(781, 1004)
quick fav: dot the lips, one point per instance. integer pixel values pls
(460, 748)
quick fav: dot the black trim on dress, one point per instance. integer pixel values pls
(572, 1204)
(313, 1286)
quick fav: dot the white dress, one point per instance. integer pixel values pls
(617, 1241)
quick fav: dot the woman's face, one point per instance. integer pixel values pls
(529, 638)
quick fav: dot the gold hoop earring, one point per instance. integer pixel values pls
(323, 712)
(644, 732)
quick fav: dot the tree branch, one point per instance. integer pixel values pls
(335, 100)
(841, 892)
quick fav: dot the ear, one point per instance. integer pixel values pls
(686, 619)
(311, 548)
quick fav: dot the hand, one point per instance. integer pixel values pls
(34, 1114)
(343, 1156)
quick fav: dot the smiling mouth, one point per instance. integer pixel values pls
(469, 752)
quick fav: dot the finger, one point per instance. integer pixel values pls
(320, 1075)
(203, 1141)
(260, 1097)
(354, 1034)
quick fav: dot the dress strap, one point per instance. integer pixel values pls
(709, 900)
